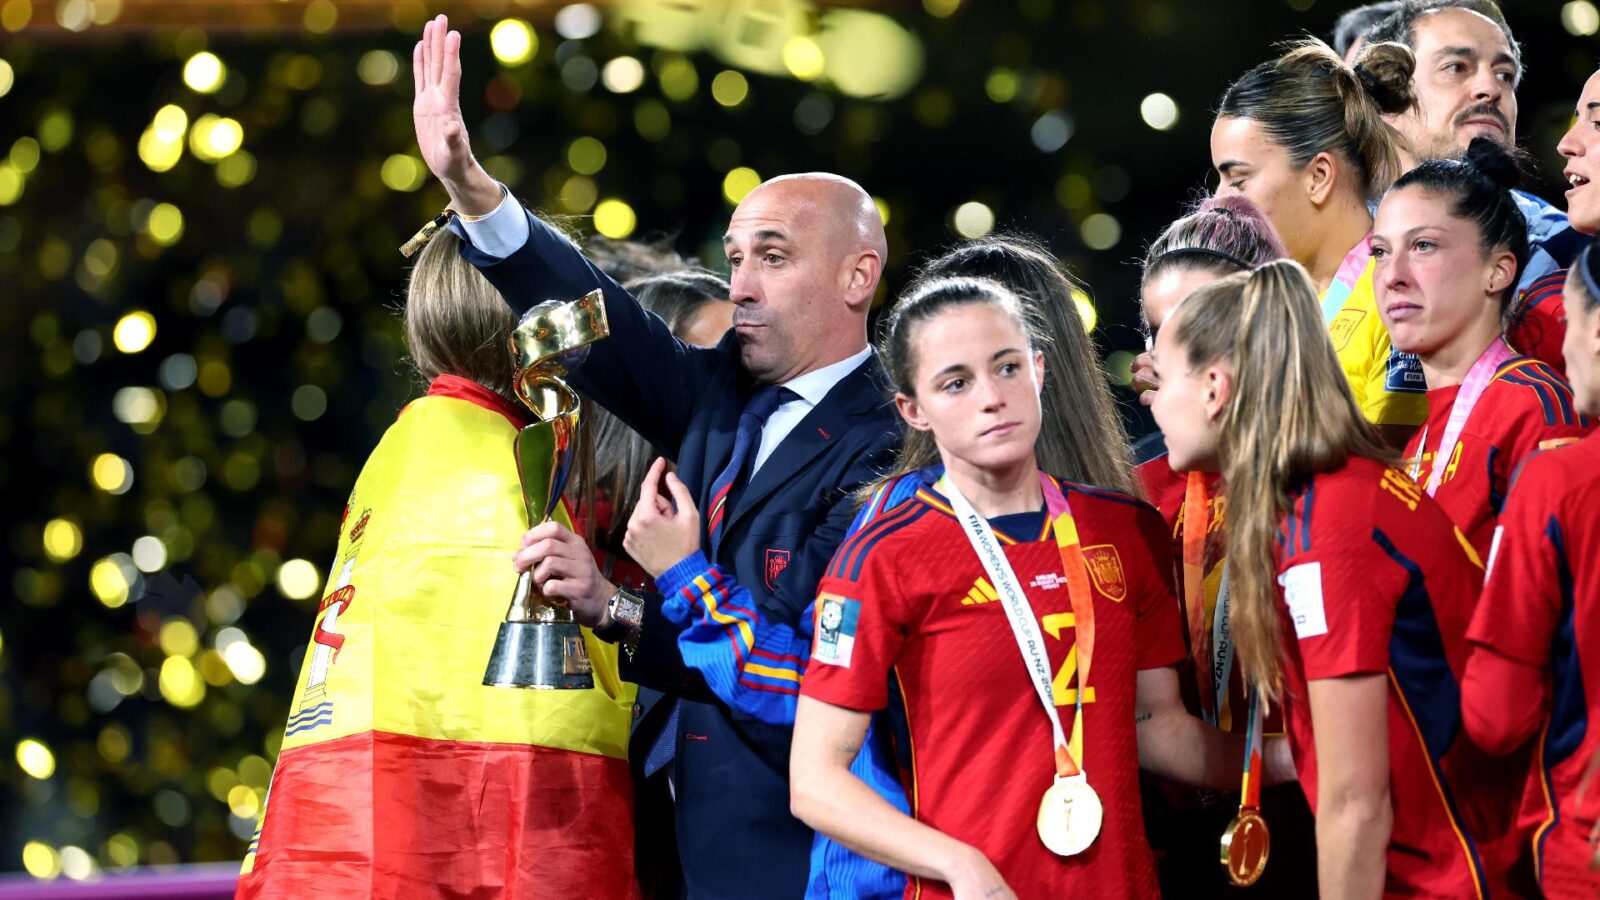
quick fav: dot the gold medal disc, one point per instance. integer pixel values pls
(1245, 847)
(1069, 816)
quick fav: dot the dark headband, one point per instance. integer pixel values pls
(1588, 276)
(1201, 251)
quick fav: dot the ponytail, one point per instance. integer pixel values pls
(1308, 102)
(1289, 416)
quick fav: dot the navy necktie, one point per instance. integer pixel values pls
(745, 441)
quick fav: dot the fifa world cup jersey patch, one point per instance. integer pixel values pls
(1302, 591)
(1404, 374)
(836, 629)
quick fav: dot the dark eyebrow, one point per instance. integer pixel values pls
(1227, 164)
(1467, 52)
(1592, 105)
(961, 367)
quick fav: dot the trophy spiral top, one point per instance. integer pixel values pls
(549, 332)
(551, 339)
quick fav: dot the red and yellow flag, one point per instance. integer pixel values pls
(401, 774)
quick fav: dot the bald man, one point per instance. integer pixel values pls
(772, 430)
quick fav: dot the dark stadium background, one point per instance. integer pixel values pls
(171, 511)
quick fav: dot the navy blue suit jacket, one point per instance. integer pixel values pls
(735, 834)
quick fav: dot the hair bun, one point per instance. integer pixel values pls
(1492, 160)
(1385, 71)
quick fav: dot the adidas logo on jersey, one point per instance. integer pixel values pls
(982, 592)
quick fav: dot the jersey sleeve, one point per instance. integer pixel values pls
(1340, 588)
(1521, 600)
(1540, 415)
(861, 618)
(749, 661)
(1160, 623)
(1539, 322)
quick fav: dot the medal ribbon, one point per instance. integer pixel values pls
(1344, 280)
(1250, 788)
(1222, 655)
(1196, 522)
(1477, 381)
(1024, 627)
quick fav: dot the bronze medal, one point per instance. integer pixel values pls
(1245, 847)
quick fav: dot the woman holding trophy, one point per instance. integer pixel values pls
(402, 773)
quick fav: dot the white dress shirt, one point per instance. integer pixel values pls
(809, 388)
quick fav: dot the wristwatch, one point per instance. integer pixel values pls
(627, 613)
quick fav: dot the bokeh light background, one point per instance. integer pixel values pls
(200, 205)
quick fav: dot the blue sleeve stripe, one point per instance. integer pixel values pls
(1559, 387)
(1545, 393)
(856, 544)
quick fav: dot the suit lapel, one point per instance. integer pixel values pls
(856, 394)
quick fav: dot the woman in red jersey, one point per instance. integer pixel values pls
(1346, 581)
(930, 606)
(1535, 667)
(1449, 244)
(1221, 236)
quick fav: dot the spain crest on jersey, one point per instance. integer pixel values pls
(1105, 567)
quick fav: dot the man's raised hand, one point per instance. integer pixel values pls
(441, 131)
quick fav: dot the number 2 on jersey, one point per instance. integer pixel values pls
(1064, 693)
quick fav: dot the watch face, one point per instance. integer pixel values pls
(627, 609)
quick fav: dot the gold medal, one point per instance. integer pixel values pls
(1069, 816)
(1245, 847)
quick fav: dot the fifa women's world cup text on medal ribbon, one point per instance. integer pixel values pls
(1070, 812)
(1247, 843)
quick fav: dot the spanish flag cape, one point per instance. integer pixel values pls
(401, 774)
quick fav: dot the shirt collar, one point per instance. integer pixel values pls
(814, 385)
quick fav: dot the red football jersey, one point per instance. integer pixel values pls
(1539, 324)
(1539, 607)
(907, 596)
(1527, 407)
(1376, 580)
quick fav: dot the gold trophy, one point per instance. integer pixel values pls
(539, 644)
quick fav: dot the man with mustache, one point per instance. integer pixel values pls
(1468, 69)
(772, 431)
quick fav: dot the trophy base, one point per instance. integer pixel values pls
(546, 656)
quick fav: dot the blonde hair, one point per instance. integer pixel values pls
(456, 323)
(1289, 416)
